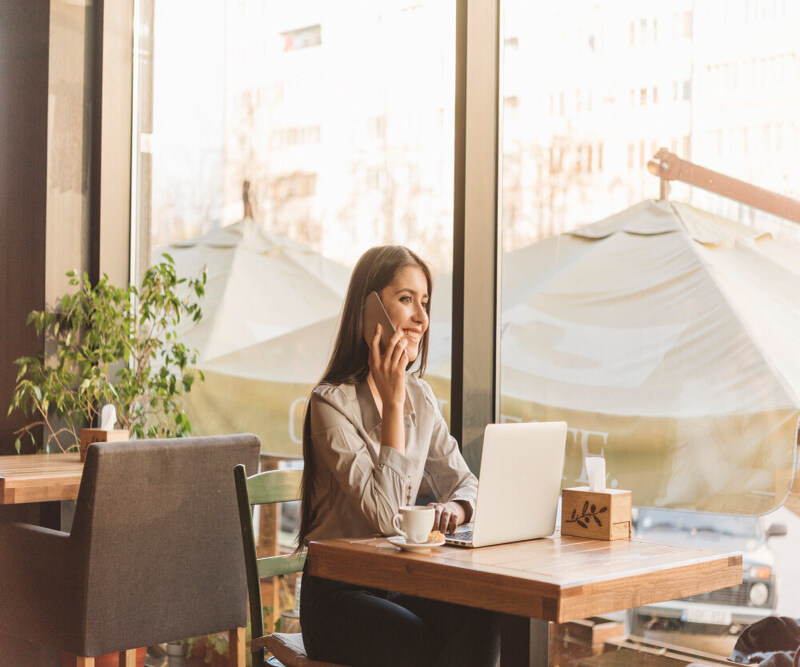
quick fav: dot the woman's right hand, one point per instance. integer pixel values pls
(388, 369)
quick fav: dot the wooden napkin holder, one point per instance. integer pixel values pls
(90, 435)
(600, 515)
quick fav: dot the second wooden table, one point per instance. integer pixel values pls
(36, 478)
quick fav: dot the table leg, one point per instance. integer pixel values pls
(50, 515)
(524, 642)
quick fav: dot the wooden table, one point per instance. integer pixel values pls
(36, 478)
(531, 583)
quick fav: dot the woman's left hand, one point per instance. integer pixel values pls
(449, 516)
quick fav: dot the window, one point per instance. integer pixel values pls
(375, 180)
(295, 136)
(292, 186)
(329, 139)
(595, 338)
(281, 150)
(377, 127)
(302, 38)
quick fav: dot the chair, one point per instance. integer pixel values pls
(152, 555)
(272, 486)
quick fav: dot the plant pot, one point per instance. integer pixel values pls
(176, 654)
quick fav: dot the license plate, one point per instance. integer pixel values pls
(700, 615)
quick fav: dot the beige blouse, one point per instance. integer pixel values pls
(359, 485)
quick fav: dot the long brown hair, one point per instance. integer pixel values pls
(349, 361)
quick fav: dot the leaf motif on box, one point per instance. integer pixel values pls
(587, 515)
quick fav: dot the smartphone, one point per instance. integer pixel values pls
(374, 314)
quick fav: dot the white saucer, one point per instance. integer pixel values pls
(422, 547)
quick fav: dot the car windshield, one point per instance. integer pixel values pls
(698, 522)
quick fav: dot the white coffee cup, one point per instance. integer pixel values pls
(414, 523)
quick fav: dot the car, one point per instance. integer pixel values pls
(724, 611)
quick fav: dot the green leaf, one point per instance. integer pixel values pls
(18, 445)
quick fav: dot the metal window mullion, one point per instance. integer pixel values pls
(476, 250)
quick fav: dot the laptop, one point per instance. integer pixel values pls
(519, 487)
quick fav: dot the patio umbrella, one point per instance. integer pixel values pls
(666, 337)
(260, 286)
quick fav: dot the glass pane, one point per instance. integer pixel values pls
(661, 331)
(288, 138)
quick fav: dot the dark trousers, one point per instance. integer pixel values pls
(356, 625)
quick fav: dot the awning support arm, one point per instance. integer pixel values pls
(669, 167)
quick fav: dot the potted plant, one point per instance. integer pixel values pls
(111, 345)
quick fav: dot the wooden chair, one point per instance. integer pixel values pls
(272, 486)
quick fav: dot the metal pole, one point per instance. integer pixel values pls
(669, 167)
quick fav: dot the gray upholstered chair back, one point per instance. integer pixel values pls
(155, 542)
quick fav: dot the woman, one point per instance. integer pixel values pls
(372, 431)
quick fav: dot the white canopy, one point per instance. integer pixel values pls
(260, 286)
(664, 336)
(661, 310)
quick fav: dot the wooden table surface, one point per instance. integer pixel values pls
(34, 478)
(552, 579)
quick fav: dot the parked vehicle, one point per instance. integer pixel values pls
(726, 610)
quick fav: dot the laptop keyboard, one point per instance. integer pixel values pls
(465, 534)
